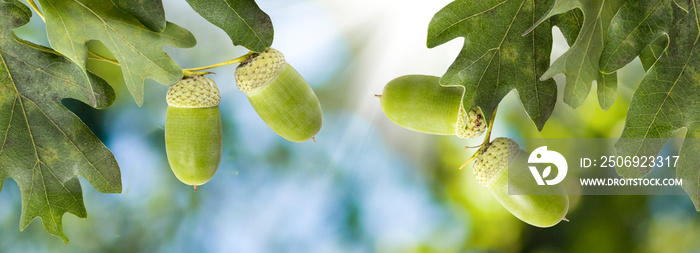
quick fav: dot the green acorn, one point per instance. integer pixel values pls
(491, 171)
(280, 96)
(193, 140)
(420, 103)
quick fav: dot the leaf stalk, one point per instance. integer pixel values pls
(192, 71)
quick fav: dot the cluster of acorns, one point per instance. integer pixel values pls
(420, 103)
(277, 92)
(287, 104)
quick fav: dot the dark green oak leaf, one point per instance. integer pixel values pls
(70, 24)
(651, 53)
(569, 24)
(667, 100)
(633, 29)
(149, 12)
(44, 147)
(242, 20)
(688, 166)
(580, 64)
(496, 58)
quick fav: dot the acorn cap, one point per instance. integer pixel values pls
(470, 124)
(193, 92)
(258, 69)
(494, 159)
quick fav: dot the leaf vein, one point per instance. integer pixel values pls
(126, 41)
(72, 143)
(618, 46)
(245, 22)
(470, 16)
(498, 48)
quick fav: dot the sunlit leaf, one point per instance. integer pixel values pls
(496, 58)
(667, 100)
(580, 64)
(636, 26)
(44, 147)
(70, 24)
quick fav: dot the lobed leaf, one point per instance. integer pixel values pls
(636, 25)
(667, 100)
(44, 147)
(70, 24)
(496, 58)
(569, 24)
(580, 64)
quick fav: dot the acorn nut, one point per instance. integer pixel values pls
(280, 95)
(420, 103)
(491, 170)
(193, 140)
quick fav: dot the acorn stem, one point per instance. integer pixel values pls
(189, 74)
(237, 60)
(36, 8)
(488, 132)
(486, 141)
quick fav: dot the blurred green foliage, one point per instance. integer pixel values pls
(357, 190)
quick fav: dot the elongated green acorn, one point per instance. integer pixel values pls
(491, 170)
(280, 96)
(420, 103)
(193, 140)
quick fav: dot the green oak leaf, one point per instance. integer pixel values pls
(668, 99)
(688, 163)
(569, 24)
(44, 147)
(496, 58)
(651, 53)
(242, 20)
(632, 31)
(70, 24)
(580, 64)
(149, 12)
